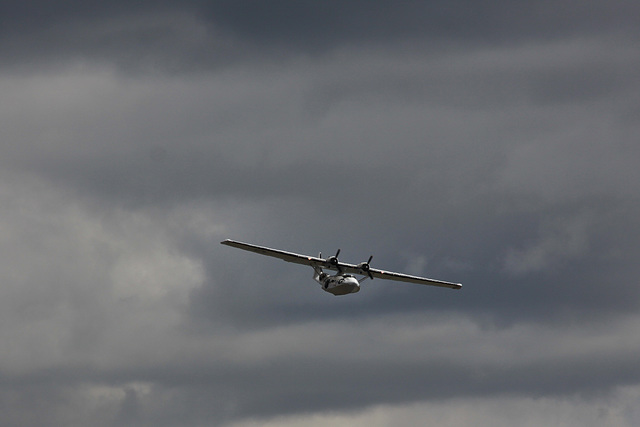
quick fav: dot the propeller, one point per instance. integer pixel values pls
(333, 260)
(365, 268)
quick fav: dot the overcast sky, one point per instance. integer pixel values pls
(496, 145)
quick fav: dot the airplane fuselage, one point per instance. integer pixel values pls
(339, 284)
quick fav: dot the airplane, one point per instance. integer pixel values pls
(345, 281)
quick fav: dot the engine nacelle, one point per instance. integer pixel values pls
(363, 267)
(333, 260)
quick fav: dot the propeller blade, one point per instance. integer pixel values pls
(365, 269)
(333, 260)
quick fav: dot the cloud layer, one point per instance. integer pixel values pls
(493, 146)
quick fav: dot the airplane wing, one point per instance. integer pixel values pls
(401, 277)
(339, 266)
(293, 257)
(277, 253)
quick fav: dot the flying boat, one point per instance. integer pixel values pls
(344, 281)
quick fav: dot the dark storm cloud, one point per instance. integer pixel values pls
(301, 134)
(493, 145)
(317, 23)
(178, 36)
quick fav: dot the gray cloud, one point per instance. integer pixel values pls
(492, 146)
(183, 36)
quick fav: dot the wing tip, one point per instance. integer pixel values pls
(229, 242)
